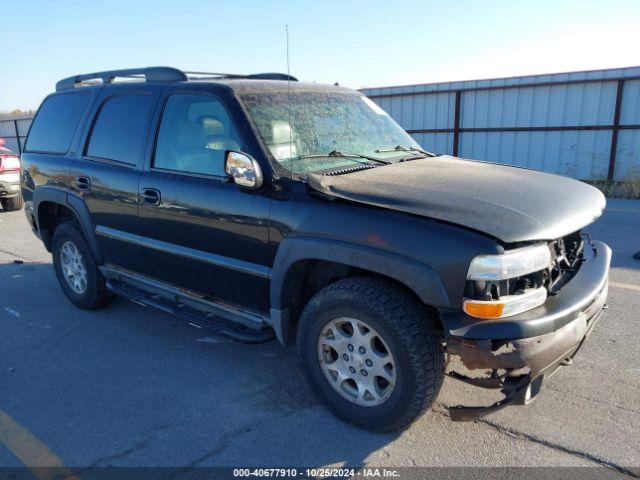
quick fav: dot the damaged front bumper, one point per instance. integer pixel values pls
(516, 354)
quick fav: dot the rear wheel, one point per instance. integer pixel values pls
(371, 353)
(12, 204)
(76, 269)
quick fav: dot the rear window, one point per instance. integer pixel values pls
(56, 122)
(119, 131)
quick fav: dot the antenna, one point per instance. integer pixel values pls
(286, 28)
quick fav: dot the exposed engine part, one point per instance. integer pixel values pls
(567, 253)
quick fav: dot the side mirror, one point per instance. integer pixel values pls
(244, 170)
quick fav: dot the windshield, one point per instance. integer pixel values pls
(304, 137)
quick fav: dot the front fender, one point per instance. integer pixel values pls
(417, 276)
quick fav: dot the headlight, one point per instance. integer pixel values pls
(511, 264)
(497, 275)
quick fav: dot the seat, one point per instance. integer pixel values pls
(282, 145)
(216, 134)
(188, 147)
(184, 142)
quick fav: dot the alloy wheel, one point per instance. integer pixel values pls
(356, 361)
(73, 268)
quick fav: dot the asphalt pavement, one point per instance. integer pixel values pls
(131, 386)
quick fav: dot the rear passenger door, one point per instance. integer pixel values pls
(107, 171)
(200, 231)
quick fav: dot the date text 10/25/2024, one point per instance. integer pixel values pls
(321, 472)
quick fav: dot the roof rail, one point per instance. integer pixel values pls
(272, 76)
(252, 76)
(149, 74)
(158, 74)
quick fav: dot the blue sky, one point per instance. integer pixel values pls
(357, 43)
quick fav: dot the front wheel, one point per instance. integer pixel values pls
(371, 353)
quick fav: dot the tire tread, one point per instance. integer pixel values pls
(99, 296)
(12, 204)
(413, 326)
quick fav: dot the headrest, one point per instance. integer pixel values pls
(281, 132)
(212, 126)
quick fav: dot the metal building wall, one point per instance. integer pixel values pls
(584, 125)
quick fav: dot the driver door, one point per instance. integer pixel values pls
(199, 230)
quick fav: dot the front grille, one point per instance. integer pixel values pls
(568, 255)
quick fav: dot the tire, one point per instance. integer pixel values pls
(94, 295)
(401, 326)
(12, 204)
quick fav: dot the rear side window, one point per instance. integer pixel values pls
(56, 122)
(118, 131)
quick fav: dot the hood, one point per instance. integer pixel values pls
(508, 203)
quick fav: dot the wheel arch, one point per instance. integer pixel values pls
(51, 207)
(324, 261)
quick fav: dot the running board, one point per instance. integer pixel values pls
(224, 319)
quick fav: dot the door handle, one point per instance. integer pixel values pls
(150, 196)
(83, 183)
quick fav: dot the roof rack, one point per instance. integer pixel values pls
(158, 74)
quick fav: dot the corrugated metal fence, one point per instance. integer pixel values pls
(14, 131)
(583, 124)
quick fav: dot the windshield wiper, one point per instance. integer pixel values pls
(339, 154)
(400, 148)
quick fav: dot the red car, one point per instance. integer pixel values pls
(10, 197)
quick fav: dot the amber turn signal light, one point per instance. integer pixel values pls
(505, 306)
(483, 310)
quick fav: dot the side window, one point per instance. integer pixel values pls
(118, 131)
(56, 123)
(194, 135)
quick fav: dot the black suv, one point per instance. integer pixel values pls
(264, 207)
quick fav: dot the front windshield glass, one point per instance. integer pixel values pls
(317, 122)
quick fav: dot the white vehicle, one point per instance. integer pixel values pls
(10, 197)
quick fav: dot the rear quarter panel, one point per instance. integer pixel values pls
(40, 169)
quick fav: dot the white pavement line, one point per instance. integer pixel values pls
(627, 286)
(13, 312)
